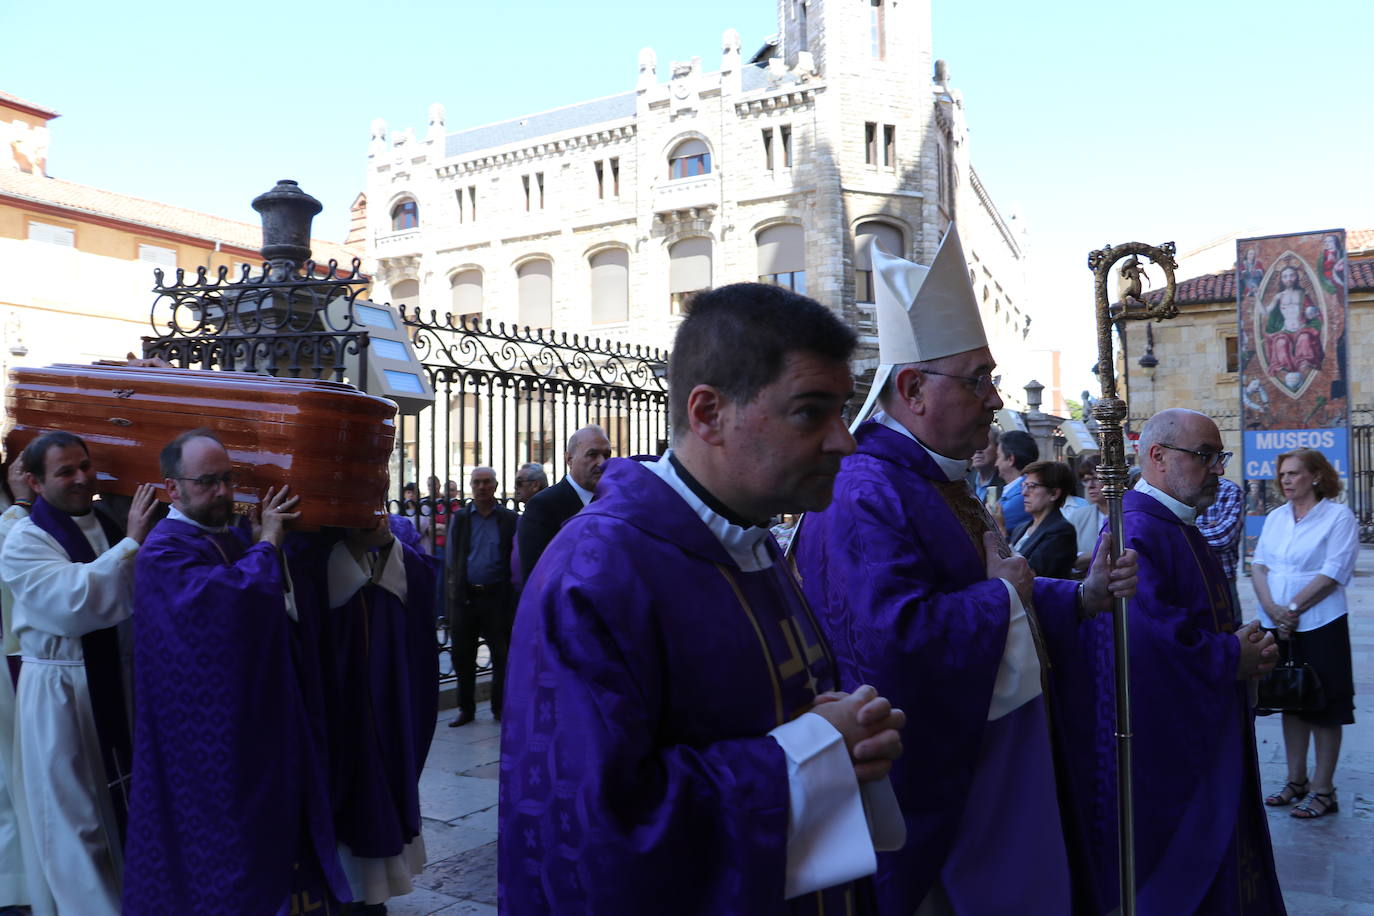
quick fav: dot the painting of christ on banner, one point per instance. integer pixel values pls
(1291, 304)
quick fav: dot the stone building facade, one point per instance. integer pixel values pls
(600, 217)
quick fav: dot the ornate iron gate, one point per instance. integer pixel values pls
(504, 398)
(1361, 496)
(507, 397)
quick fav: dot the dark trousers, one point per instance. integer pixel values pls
(485, 614)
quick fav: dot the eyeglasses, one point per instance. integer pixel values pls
(210, 481)
(1032, 485)
(982, 384)
(1210, 460)
(521, 481)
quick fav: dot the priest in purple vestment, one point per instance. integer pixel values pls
(229, 811)
(371, 596)
(919, 593)
(1202, 839)
(671, 744)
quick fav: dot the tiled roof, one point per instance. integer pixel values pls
(1221, 287)
(8, 98)
(1359, 239)
(81, 198)
(571, 117)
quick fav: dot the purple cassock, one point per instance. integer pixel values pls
(379, 675)
(900, 585)
(229, 812)
(1202, 839)
(646, 669)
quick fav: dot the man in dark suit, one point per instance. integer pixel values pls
(477, 591)
(545, 513)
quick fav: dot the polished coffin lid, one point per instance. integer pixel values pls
(329, 441)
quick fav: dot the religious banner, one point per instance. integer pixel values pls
(1291, 309)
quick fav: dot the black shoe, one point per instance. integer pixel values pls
(496, 714)
(463, 718)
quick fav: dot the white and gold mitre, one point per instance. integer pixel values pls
(923, 313)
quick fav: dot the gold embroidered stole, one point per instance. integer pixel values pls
(975, 519)
(1218, 594)
(801, 655)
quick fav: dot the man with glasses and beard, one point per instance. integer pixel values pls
(230, 812)
(70, 571)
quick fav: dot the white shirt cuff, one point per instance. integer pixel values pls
(828, 839)
(1018, 675)
(885, 822)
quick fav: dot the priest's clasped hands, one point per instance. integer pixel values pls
(871, 729)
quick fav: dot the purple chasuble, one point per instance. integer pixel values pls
(1202, 839)
(903, 596)
(104, 671)
(379, 671)
(229, 813)
(646, 669)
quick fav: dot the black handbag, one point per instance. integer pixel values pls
(1293, 685)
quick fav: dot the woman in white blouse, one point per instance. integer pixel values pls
(1303, 562)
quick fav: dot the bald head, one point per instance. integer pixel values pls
(1175, 449)
(588, 451)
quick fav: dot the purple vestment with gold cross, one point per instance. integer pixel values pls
(646, 669)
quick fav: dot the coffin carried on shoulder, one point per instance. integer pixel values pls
(330, 442)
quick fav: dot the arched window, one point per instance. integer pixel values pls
(689, 270)
(610, 286)
(690, 157)
(536, 293)
(405, 215)
(782, 257)
(405, 293)
(466, 291)
(886, 235)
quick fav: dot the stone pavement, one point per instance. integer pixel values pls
(1326, 866)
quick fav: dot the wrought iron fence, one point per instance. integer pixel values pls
(502, 397)
(507, 397)
(1361, 497)
(287, 319)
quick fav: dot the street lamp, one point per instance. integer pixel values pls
(1149, 362)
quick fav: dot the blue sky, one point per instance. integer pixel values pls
(1094, 121)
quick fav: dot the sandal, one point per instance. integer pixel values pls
(1290, 793)
(1307, 810)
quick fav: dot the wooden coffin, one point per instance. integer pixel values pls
(330, 442)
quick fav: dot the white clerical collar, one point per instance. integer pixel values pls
(177, 515)
(1186, 513)
(952, 468)
(748, 547)
(582, 492)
